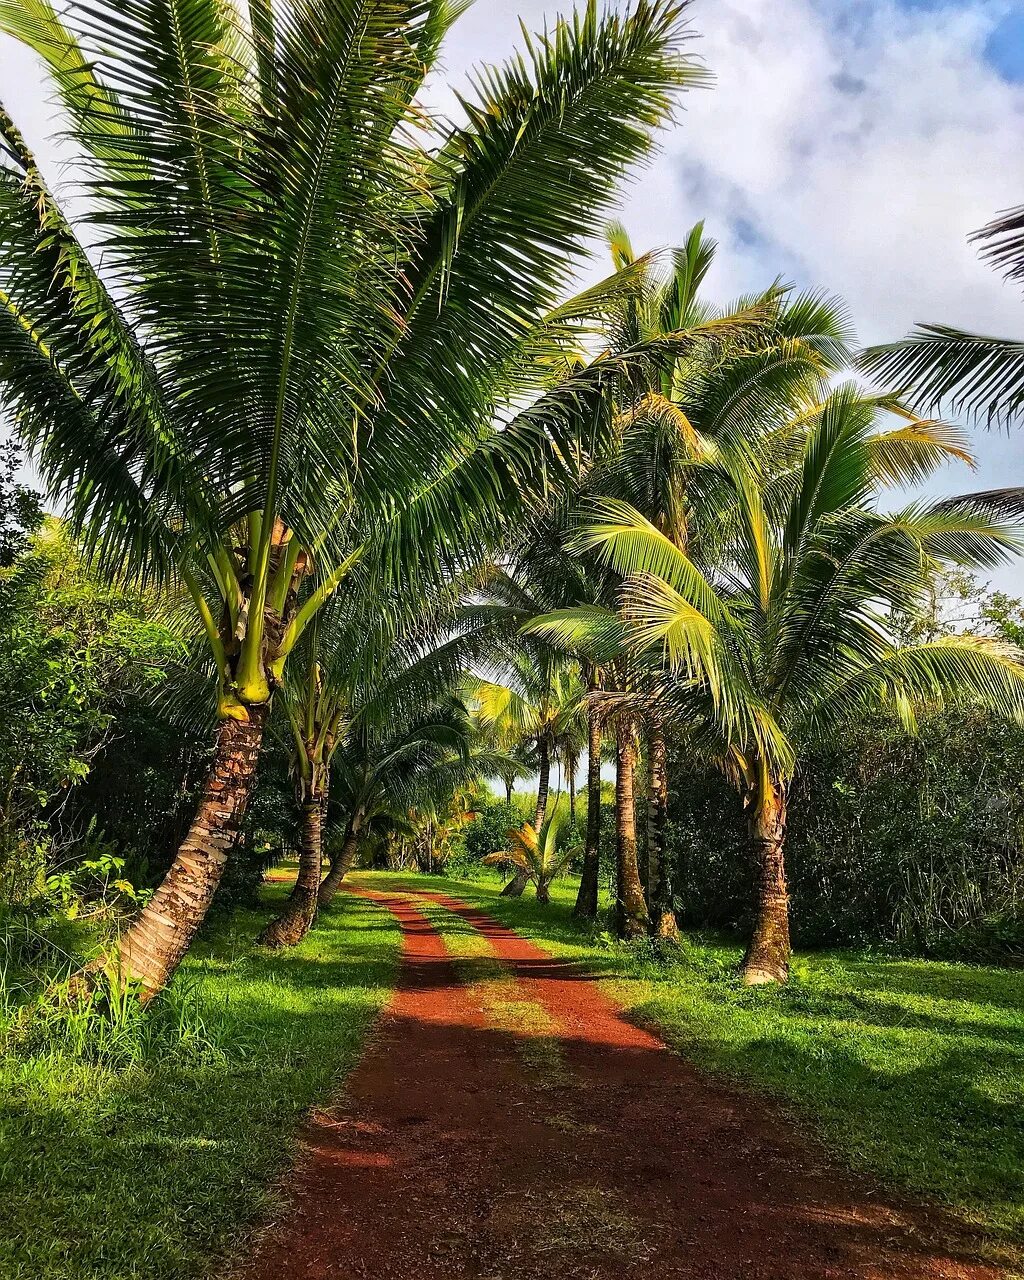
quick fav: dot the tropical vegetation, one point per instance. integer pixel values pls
(344, 537)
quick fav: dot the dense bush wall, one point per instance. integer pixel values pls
(915, 841)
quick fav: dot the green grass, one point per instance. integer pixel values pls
(151, 1171)
(910, 1070)
(913, 1071)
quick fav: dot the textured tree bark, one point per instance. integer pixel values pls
(295, 921)
(586, 898)
(341, 865)
(632, 909)
(153, 947)
(543, 782)
(663, 917)
(516, 887)
(767, 958)
(543, 893)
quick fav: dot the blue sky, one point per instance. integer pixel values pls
(851, 145)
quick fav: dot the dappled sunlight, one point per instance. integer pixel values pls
(625, 1155)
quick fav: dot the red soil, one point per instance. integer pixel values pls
(445, 1159)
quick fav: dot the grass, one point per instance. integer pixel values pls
(151, 1170)
(155, 1167)
(912, 1071)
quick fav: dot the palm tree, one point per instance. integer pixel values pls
(943, 366)
(539, 700)
(744, 398)
(366, 671)
(787, 633)
(405, 774)
(257, 374)
(541, 856)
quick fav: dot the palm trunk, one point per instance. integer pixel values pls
(543, 893)
(767, 958)
(663, 917)
(299, 914)
(586, 899)
(341, 864)
(632, 909)
(516, 887)
(153, 947)
(572, 765)
(508, 792)
(543, 781)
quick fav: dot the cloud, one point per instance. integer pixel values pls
(847, 144)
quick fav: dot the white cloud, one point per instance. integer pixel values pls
(847, 144)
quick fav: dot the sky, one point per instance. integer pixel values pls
(851, 145)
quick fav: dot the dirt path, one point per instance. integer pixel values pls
(559, 1141)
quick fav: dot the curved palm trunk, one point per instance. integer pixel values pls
(153, 947)
(516, 887)
(767, 958)
(341, 865)
(299, 914)
(632, 909)
(663, 917)
(586, 899)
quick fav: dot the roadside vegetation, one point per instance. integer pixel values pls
(155, 1148)
(359, 538)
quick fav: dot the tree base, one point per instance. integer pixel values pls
(666, 927)
(290, 927)
(758, 976)
(515, 887)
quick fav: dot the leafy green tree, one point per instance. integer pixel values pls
(21, 508)
(73, 651)
(785, 633)
(311, 316)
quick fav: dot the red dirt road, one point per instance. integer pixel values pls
(448, 1159)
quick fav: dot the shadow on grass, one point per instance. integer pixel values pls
(912, 1070)
(152, 1170)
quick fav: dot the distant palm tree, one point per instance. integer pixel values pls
(537, 699)
(950, 368)
(302, 319)
(784, 632)
(541, 856)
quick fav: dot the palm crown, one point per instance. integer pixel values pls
(788, 632)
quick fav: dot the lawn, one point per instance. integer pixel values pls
(152, 1171)
(910, 1070)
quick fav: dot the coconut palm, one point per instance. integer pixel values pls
(747, 400)
(540, 856)
(786, 633)
(537, 699)
(964, 372)
(258, 372)
(407, 774)
(361, 674)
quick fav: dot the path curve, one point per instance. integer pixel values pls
(445, 1160)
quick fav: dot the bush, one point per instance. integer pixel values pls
(914, 842)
